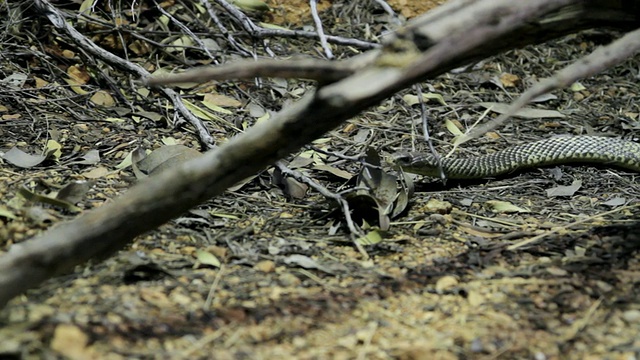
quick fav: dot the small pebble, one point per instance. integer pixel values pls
(266, 266)
(632, 316)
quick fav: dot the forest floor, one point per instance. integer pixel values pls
(268, 270)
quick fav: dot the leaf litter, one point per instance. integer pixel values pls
(289, 278)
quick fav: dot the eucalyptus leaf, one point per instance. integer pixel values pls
(21, 159)
(207, 258)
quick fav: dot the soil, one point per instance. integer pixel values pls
(269, 269)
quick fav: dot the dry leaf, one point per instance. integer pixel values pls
(411, 100)
(371, 238)
(206, 258)
(165, 157)
(102, 98)
(334, 171)
(504, 207)
(79, 75)
(21, 159)
(509, 80)
(54, 149)
(525, 113)
(96, 172)
(569, 190)
(222, 100)
(71, 342)
(74, 191)
(453, 127)
(91, 157)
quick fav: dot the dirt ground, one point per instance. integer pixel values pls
(268, 270)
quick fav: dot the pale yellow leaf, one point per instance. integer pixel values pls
(207, 258)
(96, 173)
(216, 108)
(372, 237)
(75, 86)
(125, 163)
(102, 98)
(576, 86)
(201, 113)
(452, 127)
(272, 26)
(499, 206)
(54, 149)
(222, 100)
(225, 216)
(251, 5)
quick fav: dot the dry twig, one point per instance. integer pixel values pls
(601, 59)
(57, 19)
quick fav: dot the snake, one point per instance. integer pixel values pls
(608, 151)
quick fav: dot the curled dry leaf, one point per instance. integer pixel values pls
(568, 190)
(165, 157)
(504, 207)
(74, 191)
(6, 213)
(290, 186)
(206, 258)
(33, 197)
(378, 192)
(21, 159)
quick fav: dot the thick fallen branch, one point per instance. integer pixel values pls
(463, 30)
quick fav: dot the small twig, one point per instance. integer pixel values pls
(564, 227)
(387, 8)
(357, 158)
(602, 58)
(425, 131)
(242, 20)
(320, 29)
(185, 29)
(223, 29)
(58, 21)
(355, 230)
(261, 33)
(332, 39)
(212, 290)
(580, 324)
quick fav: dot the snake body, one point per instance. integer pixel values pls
(558, 150)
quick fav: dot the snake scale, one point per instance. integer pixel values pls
(553, 151)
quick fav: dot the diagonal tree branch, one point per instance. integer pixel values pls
(427, 47)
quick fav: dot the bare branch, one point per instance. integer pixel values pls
(601, 59)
